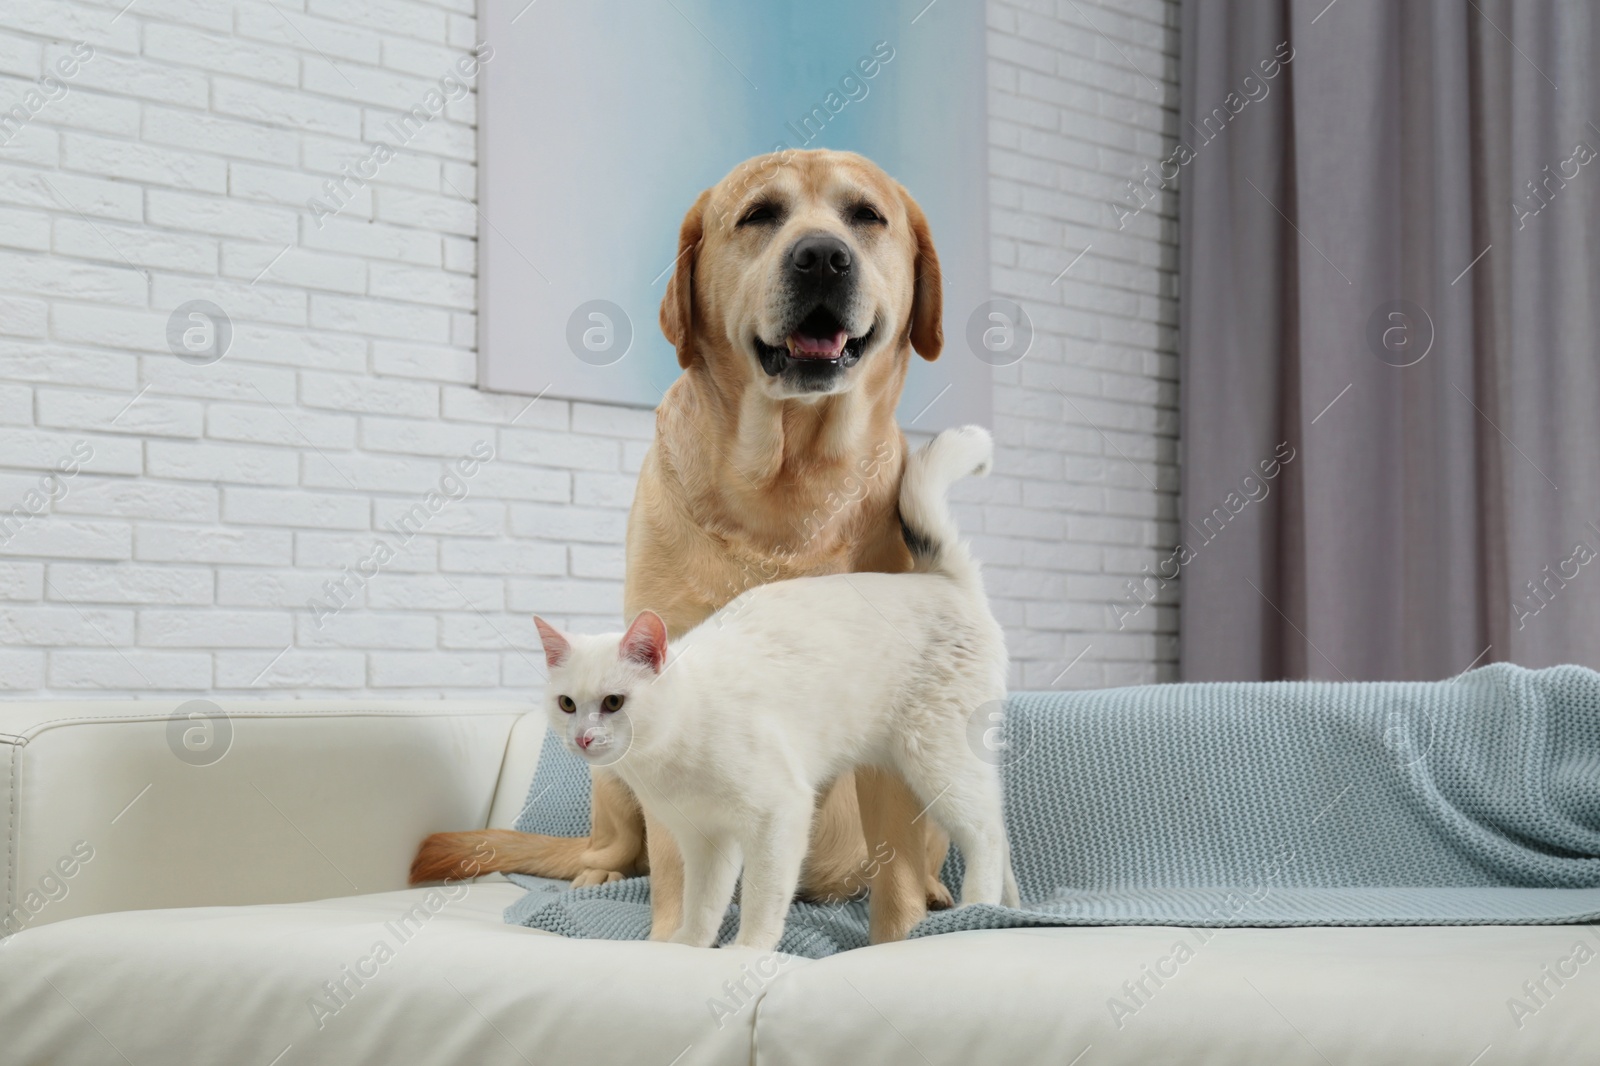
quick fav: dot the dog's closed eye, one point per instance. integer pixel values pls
(761, 212)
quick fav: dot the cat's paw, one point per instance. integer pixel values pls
(939, 897)
(761, 941)
(596, 877)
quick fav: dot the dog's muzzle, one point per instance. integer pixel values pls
(822, 287)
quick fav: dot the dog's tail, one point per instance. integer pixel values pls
(925, 520)
(463, 856)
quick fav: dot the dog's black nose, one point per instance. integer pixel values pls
(820, 256)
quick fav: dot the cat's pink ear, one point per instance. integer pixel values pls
(556, 647)
(645, 642)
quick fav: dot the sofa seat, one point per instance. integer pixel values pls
(260, 986)
(1415, 996)
(285, 984)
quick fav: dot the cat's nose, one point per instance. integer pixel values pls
(584, 740)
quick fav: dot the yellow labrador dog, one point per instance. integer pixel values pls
(803, 283)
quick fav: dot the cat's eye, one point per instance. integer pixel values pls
(611, 704)
(566, 704)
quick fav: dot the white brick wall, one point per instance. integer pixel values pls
(220, 499)
(1081, 94)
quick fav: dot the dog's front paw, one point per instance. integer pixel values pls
(596, 877)
(939, 897)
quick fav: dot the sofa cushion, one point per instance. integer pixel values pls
(456, 986)
(1302, 996)
(288, 984)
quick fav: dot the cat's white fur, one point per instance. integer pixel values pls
(728, 737)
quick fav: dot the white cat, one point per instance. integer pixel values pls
(728, 738)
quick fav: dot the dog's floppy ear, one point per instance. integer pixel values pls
(677, 306)
(927, 299)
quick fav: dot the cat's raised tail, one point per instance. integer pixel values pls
(930, 532)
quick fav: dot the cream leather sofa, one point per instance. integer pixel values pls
(251, 910)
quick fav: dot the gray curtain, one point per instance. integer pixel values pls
(1389, 275)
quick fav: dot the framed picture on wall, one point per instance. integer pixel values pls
(600, 122)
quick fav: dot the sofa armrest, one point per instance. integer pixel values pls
(523, 749)
(130, 805)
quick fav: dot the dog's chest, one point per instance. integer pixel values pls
(741, 563)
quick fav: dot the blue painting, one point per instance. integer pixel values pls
(600, 121)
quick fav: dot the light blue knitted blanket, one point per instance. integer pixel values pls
(1462, 802)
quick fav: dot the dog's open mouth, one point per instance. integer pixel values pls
(819, 339)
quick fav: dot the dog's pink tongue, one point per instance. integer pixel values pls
(803, 347)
